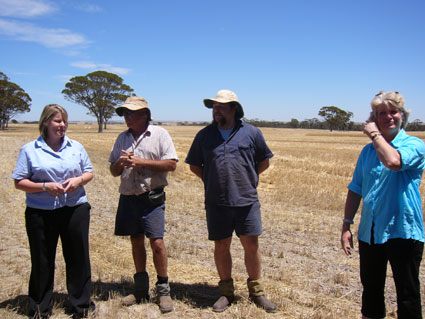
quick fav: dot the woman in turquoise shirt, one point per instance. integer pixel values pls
(387, 177)
(52, 171)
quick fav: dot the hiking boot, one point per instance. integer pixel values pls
(163, 291)
(256, 295)
(165, 304)
(227, 295)
(141, 290)
(223, 303)
(129, 300)
(264, 303)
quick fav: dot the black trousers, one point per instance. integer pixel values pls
(44, 227)
(405, 257)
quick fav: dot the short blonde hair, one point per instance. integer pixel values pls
(388, 98)
(49, 111)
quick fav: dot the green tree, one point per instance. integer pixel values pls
(13, 100)
(416, 125)
(336, 118)
(294, 123)
(99, 92)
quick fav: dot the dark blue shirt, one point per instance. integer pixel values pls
(230, 167)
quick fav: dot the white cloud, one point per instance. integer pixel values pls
(114, 69)
(84, 65)
(25, 8)
(64, 77)
(51, 38)
(90, 8)
(100, 66)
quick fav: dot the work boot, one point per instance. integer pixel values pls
(227, 295)
(256, 295)
(163, 295)
(141, 290)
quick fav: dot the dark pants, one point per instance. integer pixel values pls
(405, 257)
(43, 229)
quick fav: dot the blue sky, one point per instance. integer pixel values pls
(284, 59)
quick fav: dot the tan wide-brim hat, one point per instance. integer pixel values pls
(132, 103)
(226, 96)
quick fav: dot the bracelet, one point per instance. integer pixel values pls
(348, 221)
(82, 179)
(375, 136)
(44, 186)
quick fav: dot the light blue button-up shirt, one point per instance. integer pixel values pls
(39, 163)
(391, 199)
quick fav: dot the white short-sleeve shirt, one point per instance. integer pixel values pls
(155, 144)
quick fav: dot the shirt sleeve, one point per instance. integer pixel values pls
(262, 151)
(85, 163)
(194, 156)
(116, 150)
(356, 183)
(22, 169)
(412, 154)
(168, 151)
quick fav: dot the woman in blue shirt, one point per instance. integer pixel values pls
(52, 171)
(387, 177)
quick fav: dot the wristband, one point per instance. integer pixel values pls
(348, 221)
(44, 186)
(375, 136)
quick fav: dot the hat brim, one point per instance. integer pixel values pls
(239, 112)
(132, 107)
(120, 110)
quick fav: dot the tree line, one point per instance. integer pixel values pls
(101, 91)
(316, 124)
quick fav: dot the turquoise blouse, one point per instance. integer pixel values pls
(391, 200)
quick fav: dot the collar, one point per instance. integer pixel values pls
(41, 143)
(401, 135)
(146, 132)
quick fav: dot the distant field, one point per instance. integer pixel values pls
(302, 195)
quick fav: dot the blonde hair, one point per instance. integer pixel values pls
(49, 111)
(388, 98)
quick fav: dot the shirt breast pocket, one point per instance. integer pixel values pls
(74, 164)
(246, 151)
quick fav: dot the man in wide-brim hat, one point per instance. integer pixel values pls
(142, 156)
(229, 155)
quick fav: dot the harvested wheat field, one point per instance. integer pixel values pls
(302, 195)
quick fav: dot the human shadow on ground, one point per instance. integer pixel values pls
(198, 295)
(20, 304)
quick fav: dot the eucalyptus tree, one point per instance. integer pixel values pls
(99, 92)
(13, 100)
(336, 118)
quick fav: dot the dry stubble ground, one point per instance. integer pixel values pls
(302, 195)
